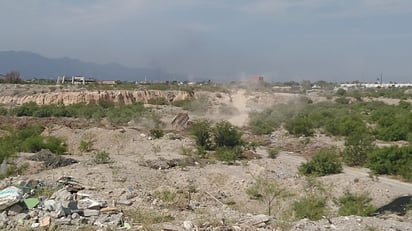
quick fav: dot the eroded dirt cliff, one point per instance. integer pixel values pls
(74, 97)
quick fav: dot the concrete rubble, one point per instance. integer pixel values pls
(66, 207)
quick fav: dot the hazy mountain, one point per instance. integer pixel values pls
(31, 65)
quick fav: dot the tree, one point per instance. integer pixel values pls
(341, 92)
(12, 77)
(265, 191)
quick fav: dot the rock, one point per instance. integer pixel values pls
(72, 205)
(35, 225)
(49, 205)
(63, 221)
(62, 195)
(45, 221)
(75, 215)
(257, 220)
(124, 202)
(188, 225)
(115, 220)
(109, 210)
(33, 214)
(89, 204)
(90, 212)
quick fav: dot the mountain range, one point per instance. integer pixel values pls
(31, 65)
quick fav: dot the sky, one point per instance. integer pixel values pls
(282, 40)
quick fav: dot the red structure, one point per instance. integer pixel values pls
(257, 78)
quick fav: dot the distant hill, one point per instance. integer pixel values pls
(31, 65)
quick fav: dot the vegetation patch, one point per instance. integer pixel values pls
(325, 162)
(355, 204)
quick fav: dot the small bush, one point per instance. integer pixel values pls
(85, 146)
(357, 147)
(156, 133)
(312, 208)
(158, 101)
(165, 196)
(392, 160)
(355, 204)
(201, 131)
(102, 157)
(341, 92)
(273, 152)
(147, 218)
(185, 103)
(265, 191)
(226, 135)
(228, 154)
(300, 126)
(323, 163)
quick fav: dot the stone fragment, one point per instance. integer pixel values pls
(90, 212)
(45, 221)
(124, 202)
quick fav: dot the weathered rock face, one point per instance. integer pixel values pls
(115, 96)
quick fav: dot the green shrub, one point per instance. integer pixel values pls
(341, 92)
(185, 103)
(166, 196)
(102, 157)
(3, 111)
(273, 153)
(313, 208)
(156, 133)
(323, 163)
(32, 144)
(355, 204)
(342, 100)
(357, 147)
(265, 191)
(8, 147)
(54, 144)
(226, 135)
(392, 160)
(228, 154)
(158, 101)
(85, 146)
(300, 126)
(201, 131)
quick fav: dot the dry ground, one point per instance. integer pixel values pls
(215, 183)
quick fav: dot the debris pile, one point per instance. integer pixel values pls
(30, 204)
(51, 160)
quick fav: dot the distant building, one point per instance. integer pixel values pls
(107, 82)
(374, 85)
(257, 79)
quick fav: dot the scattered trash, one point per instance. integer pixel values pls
(31, 202)
(10, 196)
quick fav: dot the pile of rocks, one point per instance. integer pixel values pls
(68, 206)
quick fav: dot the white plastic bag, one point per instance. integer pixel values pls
(10, 196)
